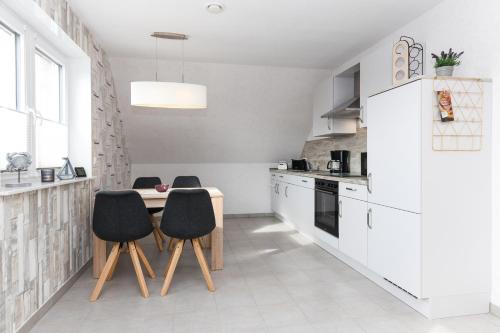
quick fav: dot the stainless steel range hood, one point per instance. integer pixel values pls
(348, 110)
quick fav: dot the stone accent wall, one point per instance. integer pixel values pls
(110, 159)
(45, 239)
(318, 151)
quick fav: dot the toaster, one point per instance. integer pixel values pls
(282, 165)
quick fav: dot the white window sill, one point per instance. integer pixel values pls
(36, 184)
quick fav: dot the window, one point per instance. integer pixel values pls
(14, 133)
(32, 98)
(51, 130)
(8, 68)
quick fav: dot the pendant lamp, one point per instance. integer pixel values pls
(168, 95)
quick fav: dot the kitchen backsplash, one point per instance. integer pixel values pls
(318, 151)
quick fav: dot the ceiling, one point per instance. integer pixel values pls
(290, 33)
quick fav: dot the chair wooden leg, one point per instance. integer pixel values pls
(162, 235)
(138, 270)
(113, 256)
(203, 264)
(158, 240)
(145, 261)
(112, 270)
(171, 244)
(171, 267)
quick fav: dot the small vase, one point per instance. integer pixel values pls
(444, 71)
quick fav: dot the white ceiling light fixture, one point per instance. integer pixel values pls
(168, 95)
(215, 8)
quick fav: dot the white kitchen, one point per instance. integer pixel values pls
(228, 166)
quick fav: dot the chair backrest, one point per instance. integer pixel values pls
(146, 182)
(188, 214)
(120, 216)
(186, 181)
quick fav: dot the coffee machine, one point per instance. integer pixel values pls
(340, 162)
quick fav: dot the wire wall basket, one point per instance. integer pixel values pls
(465, 132)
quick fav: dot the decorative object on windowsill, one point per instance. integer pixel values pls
(18, 162)
(48, 175)
(67, 172)
(169, 95)
(446, 62)
(407, 60)
(80, 172)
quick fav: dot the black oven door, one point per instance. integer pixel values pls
(326, 211)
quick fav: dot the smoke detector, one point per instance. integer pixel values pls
(215, 8)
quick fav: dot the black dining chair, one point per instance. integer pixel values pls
(186, 181)
(188, 215)
(151, 182)
(121, 217)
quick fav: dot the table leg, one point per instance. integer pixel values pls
(217, 241)
(99, 256)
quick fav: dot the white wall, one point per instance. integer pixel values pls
(245, 185)
(471, 26)
(256, 116)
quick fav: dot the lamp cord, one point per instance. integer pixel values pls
(183, 61)
(156, 57)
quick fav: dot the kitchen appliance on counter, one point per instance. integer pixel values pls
(301, 165)
(326, 206)
(364, 164)
(340, 162)
(282, 165)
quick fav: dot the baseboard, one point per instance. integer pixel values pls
(37, 315)
(238, 216)
(495, 310)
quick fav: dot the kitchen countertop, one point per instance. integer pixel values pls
(360, 180)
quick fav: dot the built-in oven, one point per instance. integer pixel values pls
(326, 206)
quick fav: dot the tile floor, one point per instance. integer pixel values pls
(274, 280)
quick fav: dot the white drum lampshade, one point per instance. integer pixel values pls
(170, 95)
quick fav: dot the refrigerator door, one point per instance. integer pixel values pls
(394, 159)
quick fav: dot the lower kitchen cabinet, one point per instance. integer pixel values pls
(300, 204)
(294, 204)
(353, 228)
(394, 246)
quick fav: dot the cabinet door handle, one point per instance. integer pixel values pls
(340, 208)
(278, 189)
(351, 189)
(286, 191)
(369, 185)
(369, 219)
(304, 181)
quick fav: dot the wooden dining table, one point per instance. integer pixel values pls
(155, 199)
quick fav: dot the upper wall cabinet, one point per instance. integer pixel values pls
(331, 95)
(375, 75)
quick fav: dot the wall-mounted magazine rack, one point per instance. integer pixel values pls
(465, 133)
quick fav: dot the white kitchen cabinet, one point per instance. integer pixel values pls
(353, 228)
(394, 247)
(293, 203)
(374, 77)
(393, 145)
(301, 205)
(323, 101)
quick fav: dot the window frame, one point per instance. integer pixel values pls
(41, 50)
(28, 42)
(17, 40)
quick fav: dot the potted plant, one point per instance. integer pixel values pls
(446, 62)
